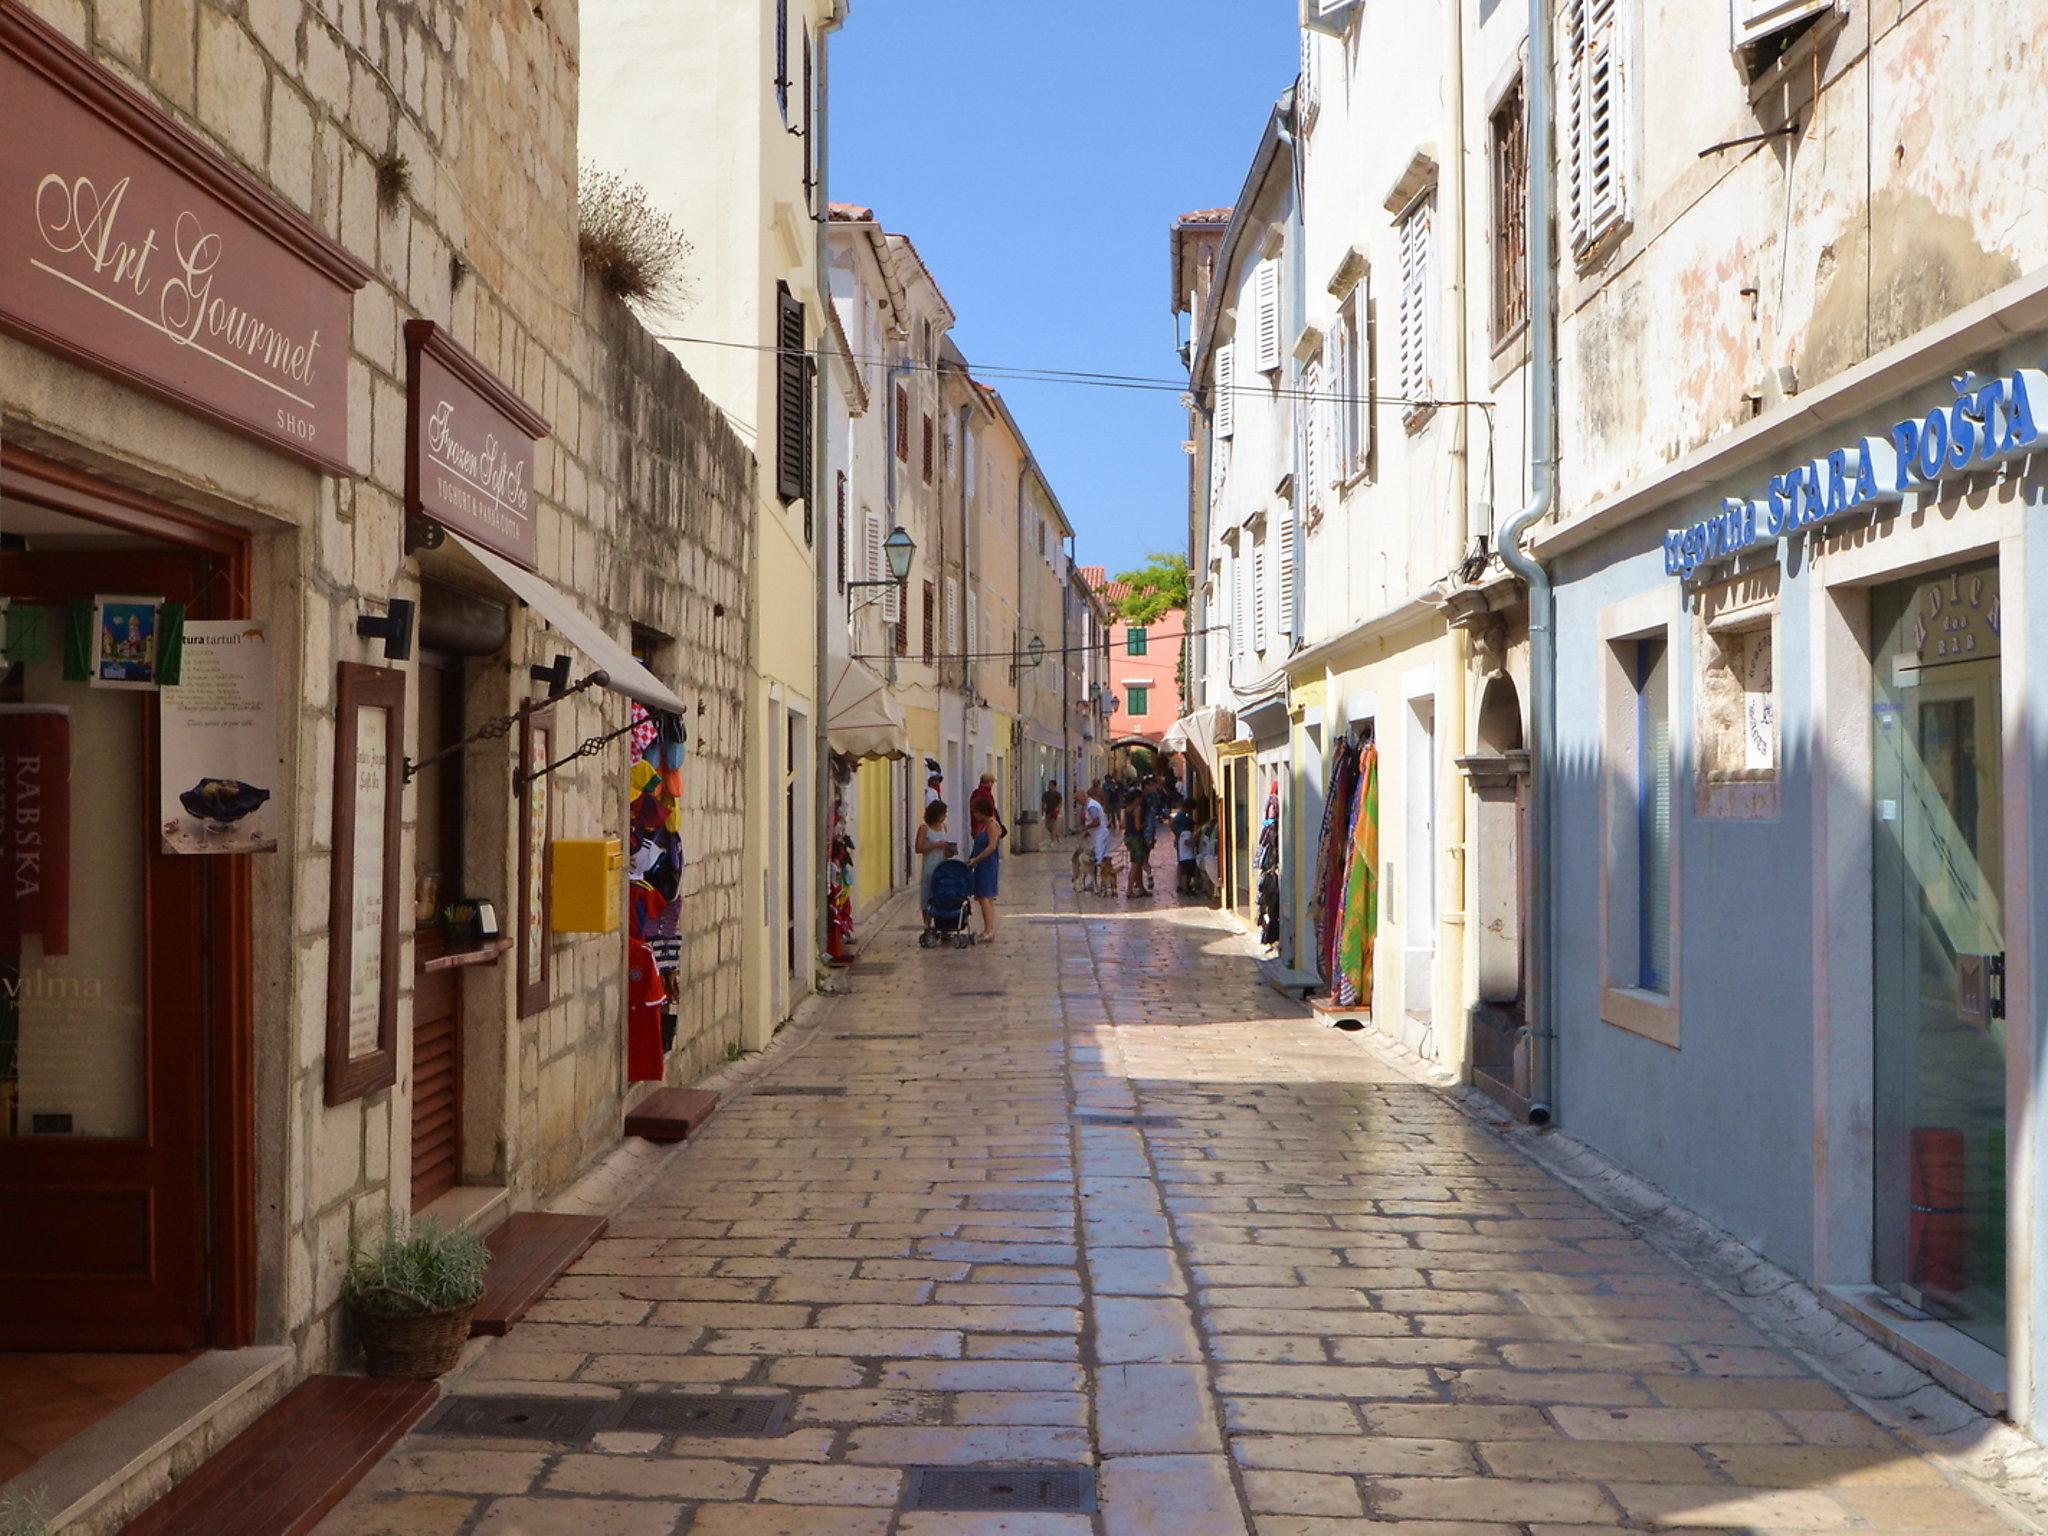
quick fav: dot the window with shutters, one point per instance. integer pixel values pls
(1309, 98)
(952, 619)
(1240, 608)
(1137, 640)
(1418, 309)
(1260, 631)
(902, 424)
(1510, 136)
(931, 621)
(902, 627)
(1289, 559)
(1596, 144)
(1350, 387)
(839, 529)
(782, 58)
(1315, 471)
(1137, 700)
(928, 448)
(792, 397)
(1266, 315)
(872, 562)
(1756, 21)
(1226, 389)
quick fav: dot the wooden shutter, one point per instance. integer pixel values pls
(1418, 244)
(902, 423)
(1266, 304)
(1287, 579)
(839, 522)
(792, 421)
(1259, 616)
(928, 454)
(1752, 21)
(1226, 389)
(1596, 151)
(782, 57)
(930, 622)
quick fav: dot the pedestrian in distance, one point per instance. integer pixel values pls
(1049, 809)
(985, 858)
(1186, 848)
(1136, 847)
(1093, 868)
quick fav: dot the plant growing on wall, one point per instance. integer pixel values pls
(1157, 587)
(633, 250)
(23, 1514)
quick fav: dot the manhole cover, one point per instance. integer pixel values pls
(799, 1090)
(522, 1418)
(1062, 1490)
(684, 1413)
(1141, 1122)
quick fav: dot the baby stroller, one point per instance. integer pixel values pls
(951, 894)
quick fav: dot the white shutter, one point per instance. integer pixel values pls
(1240, 618)
(871, 548)
(1287, 578)
(1266, 302)
(1226, 389)
(1311, 78)
(1357, 383)
(1751, 21)
(1598, 145)
(1259, 626)
(952, 618)
(974, 622)
(1312, 468)
(1418, 340)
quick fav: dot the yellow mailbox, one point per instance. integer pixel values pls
(590, 874)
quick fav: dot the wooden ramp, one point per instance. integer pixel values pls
(529, 1252)
(673, 1114)
(284, 1472)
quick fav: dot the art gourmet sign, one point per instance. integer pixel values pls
(130, 247)
(469, 447)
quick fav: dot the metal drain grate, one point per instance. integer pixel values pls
(800, 1091)
(522, 1418)
(1059, 1490)
(1139, 1122)
(686, 1413)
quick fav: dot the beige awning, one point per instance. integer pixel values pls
(1199, 732)
(623, 674)
(861, 720)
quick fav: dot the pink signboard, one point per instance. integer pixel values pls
(469, 447)
(127, 245)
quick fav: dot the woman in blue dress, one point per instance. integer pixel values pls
(985, 858)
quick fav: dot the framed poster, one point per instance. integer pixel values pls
(217, 747)
(362, 942)
(124, 642)
(536, 871)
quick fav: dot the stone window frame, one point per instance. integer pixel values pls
(1730, 609)
(1624, 1005)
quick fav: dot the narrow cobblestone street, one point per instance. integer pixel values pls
(1303, 1296)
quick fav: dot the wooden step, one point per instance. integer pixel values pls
(672, 1114)
(284, 1472)
(529, 1252)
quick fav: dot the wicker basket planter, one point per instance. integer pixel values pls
(418, 1346)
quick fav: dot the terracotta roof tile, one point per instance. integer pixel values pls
(1206, 216)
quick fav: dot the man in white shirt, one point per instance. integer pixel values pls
(1095, 827)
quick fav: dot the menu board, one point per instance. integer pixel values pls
(362, 938)
(218, 749)
(366, 949)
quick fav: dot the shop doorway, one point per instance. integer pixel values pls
(1418, 896)
(121, 1221)
(438, 881)
(1939, 949)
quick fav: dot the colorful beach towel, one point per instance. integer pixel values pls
(1351, 987)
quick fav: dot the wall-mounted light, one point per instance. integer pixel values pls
(393, 626)
(422, 533)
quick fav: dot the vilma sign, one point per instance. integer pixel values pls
(1989, 421)
(469, 447)
(128, 246)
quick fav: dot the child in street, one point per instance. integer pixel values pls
(1188, 880)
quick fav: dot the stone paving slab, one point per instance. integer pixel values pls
(1310, 1296)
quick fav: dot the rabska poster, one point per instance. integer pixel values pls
(219, 757)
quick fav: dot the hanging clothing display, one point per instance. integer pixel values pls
(839, 936)
(646, 998)
(1351, 985)
(1332, 845)
(1269, 867)
(655, 897)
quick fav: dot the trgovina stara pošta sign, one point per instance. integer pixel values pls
(1988, 421)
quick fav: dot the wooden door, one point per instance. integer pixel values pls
(103, 1170)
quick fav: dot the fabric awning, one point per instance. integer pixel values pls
(623, 674)
(1198, 733)
(861, 720)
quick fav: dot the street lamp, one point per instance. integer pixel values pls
(898, 548)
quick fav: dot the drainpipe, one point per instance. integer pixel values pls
(1297, 502)
(1542, 602)
(1455, 728)
(821, 469)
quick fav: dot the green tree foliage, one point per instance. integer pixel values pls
(1158, 586)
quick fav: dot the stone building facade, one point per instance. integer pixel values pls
(430, 148)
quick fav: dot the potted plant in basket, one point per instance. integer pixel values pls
(411, 1294)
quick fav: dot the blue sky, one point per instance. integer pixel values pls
(1038, 154)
